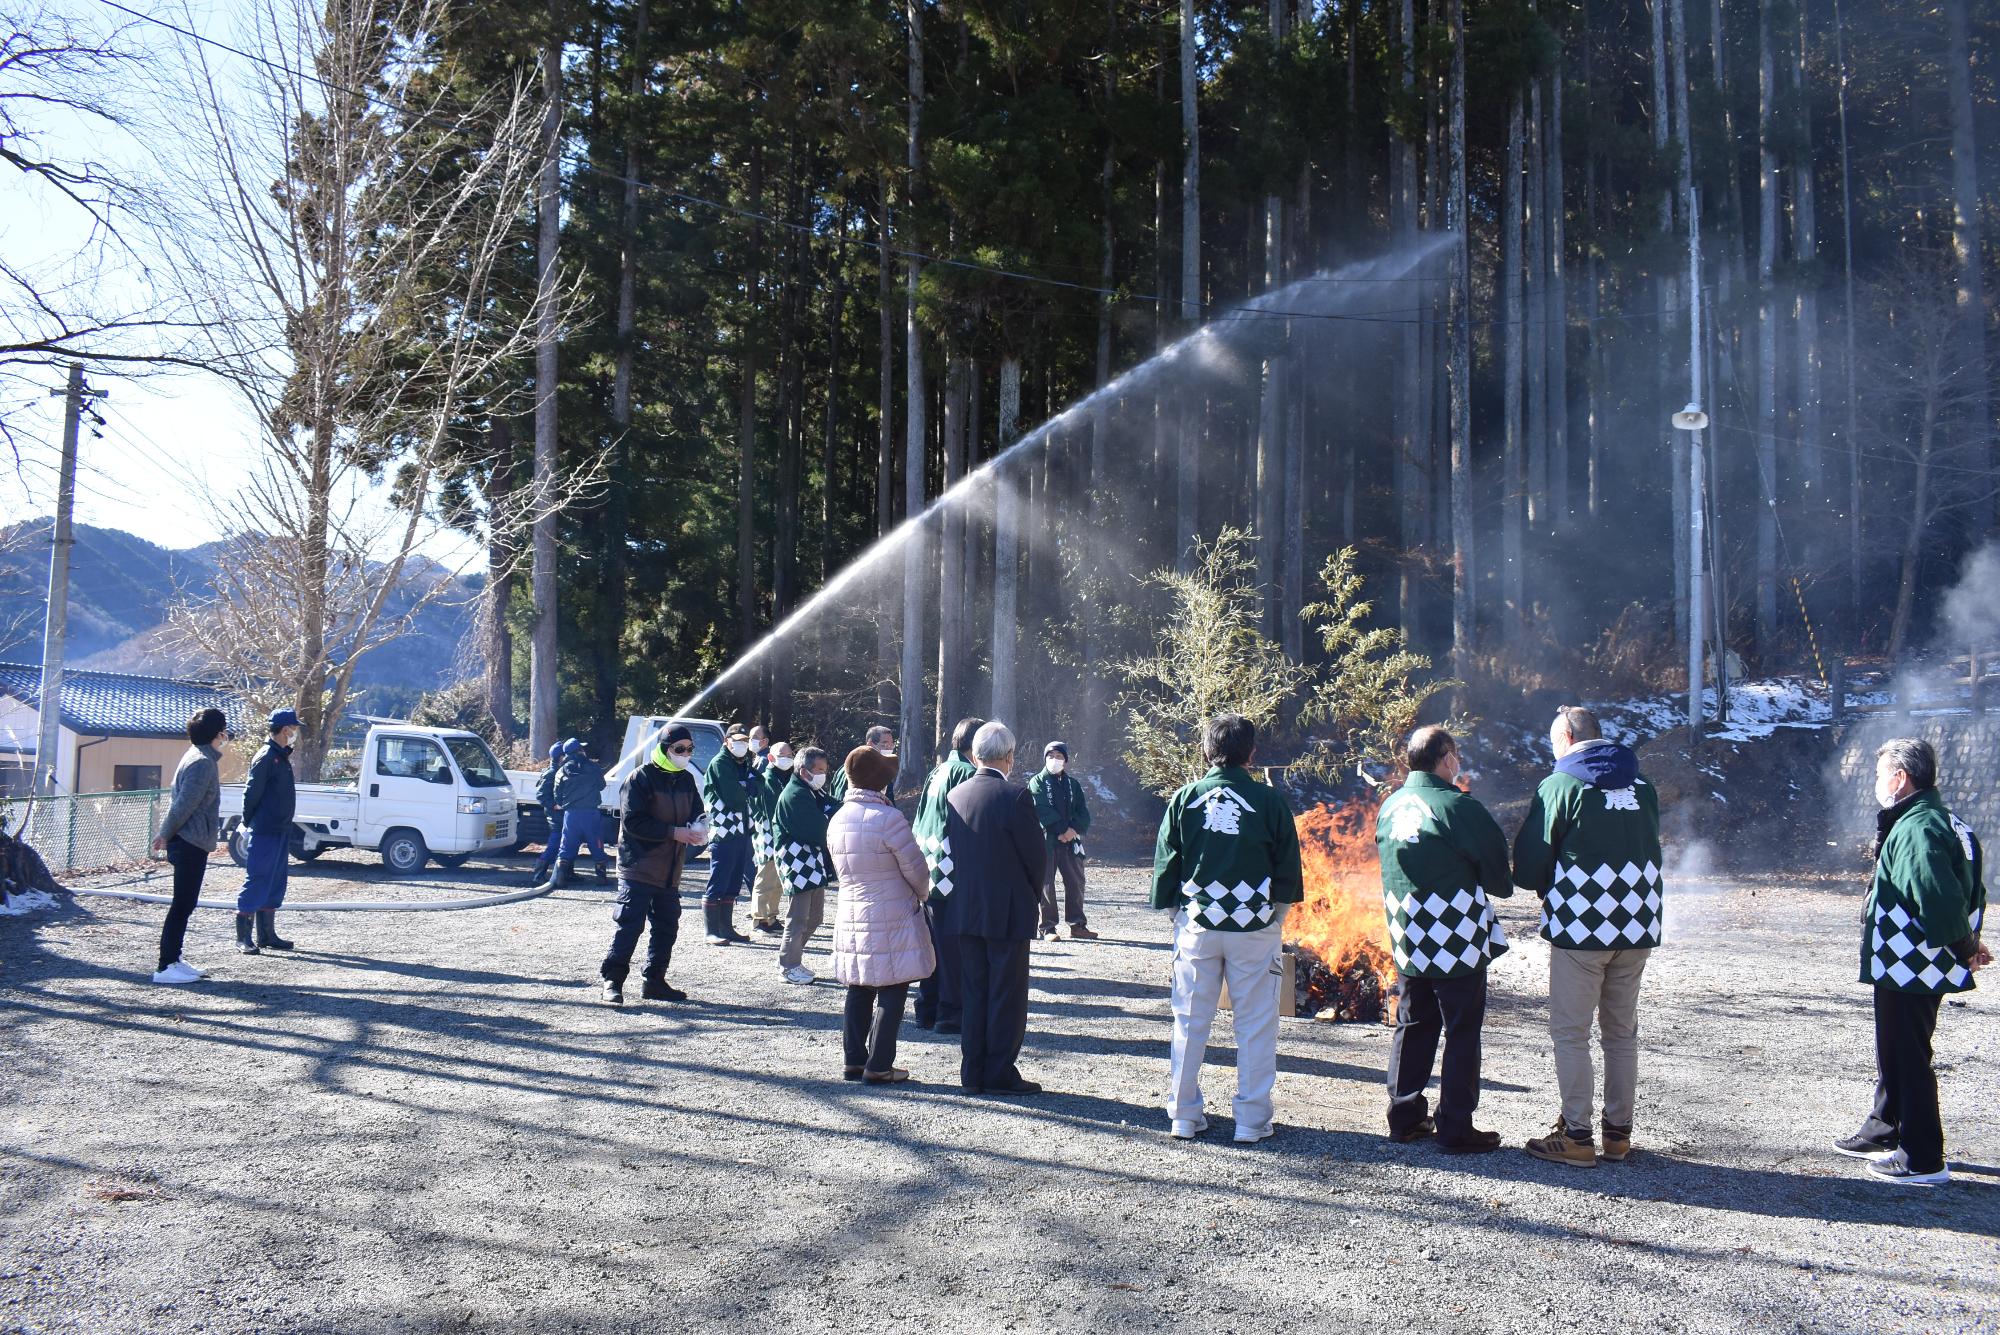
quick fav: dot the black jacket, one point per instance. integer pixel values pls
(657, 801)
(271, 797)
(998, 856)
(579, 783)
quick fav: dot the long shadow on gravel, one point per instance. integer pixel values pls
(1649, 1176)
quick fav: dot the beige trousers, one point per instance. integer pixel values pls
(1604, 985)
(1203, 960)
(768, 892)
(804, 912)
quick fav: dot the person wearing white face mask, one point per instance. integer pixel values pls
(767, 893)
(1920, 941)
(805, 869)
(882, 741)
(660, 824)
(727, 789)
(1065, 819)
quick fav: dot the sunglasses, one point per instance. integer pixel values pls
(680, 750)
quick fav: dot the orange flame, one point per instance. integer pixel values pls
(1341, 919)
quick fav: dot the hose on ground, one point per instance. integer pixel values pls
(346, 906)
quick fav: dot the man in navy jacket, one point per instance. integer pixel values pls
(270, 800)
(999, 858)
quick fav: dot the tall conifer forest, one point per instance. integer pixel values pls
(831, 256)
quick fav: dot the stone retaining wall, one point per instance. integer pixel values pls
(1968, 747)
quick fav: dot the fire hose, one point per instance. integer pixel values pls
(346, 906)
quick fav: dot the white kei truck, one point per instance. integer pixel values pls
(422, 794)
(640, 731)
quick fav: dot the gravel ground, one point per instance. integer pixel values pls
(428, 1123)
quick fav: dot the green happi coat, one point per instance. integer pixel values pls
(1228, 853)
(1442, 857)
(1053, 793)
(727, 786)
(799, 838)
(1593, 855)
(770, 782)
(1925, 905)
(836, 787)
(929, 826)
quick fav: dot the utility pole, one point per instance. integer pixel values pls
(61, 539)
(1692, 419)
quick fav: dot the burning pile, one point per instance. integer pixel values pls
(1344, 970)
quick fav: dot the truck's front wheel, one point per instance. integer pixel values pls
(239, 846)
(404, 852)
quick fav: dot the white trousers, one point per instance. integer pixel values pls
(1202, 960)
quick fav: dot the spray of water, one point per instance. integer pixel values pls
(1207, 344)
(1339, 318)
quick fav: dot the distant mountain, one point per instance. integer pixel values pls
(121, 587)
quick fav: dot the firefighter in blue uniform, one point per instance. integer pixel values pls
(270, 800)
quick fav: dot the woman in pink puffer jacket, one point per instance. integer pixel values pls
(881, 943)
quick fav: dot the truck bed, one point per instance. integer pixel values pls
(317, 802)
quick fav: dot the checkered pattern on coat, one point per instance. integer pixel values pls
(1240, 907)
(760, 840)
(727, 824)
(937, 856)
(803, 867)
(1899, 954)
(1606, 908)
(1431, 931)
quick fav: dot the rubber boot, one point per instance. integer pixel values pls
(659, 989)
(267, 931)
(244, 945)
(725, 917)
(603, 873)
(563, 870)
(718, 929)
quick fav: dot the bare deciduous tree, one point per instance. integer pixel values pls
(360, 211)
(82, 291)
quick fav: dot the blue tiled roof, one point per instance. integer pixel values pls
(115, 704)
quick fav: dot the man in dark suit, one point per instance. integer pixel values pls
(999, 857)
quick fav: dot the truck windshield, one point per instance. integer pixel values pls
(476, 762)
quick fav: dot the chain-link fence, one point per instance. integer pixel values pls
(87, 831)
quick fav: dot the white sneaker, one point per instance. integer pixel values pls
(177, 972)
(1188, 1128)
(799, 973)
(1896, 1168)
(1250, 1135)
(197, 972)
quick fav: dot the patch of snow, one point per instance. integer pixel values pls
(1756, 710)
(1759, 708)
(1097, 787)
(28, 901)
